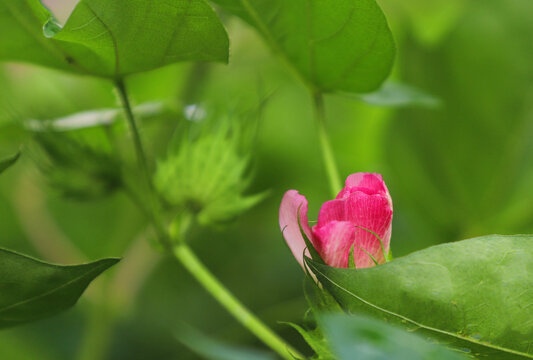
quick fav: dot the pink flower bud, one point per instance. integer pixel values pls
(357, 218)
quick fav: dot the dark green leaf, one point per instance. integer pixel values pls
(212, 349)
(113, 38)
(359, 337)
(6, 163)
(342, 47)
(32, 289)
(475, 294)
(315, 340)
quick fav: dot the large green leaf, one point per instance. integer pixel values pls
(112, 38)
(474, 294)
(359, 337)
(340, 46)
(31, 289)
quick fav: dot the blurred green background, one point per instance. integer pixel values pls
(461, 170)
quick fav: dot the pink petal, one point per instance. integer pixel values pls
(333, 242)
(331, 210)
(372, 212)
(370, 183)
(291, 203)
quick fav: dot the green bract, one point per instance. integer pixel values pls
(474, 294)
(208, 175)
(32, 289)
(345, 46)
(113, 38)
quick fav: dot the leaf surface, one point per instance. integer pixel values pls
(474, 294)
(340, 46)
(113, 38)
(371, 339)
(31, 289)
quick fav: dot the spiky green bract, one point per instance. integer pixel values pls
(207, 173)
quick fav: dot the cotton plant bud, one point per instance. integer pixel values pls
(208, 175)
(356, 223)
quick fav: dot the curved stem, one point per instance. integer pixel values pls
(189, 260)
(325, 145)
(195, 267)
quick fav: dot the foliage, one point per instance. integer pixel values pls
(474, 294)
(32, 289)
(346, 47)
(113, 39)
(457, 163)
(359, 337)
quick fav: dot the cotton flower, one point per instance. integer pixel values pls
(358, 220)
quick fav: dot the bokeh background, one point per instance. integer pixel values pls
(460, 170)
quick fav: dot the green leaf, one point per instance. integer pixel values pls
(113, 38)
(371, 339)
(315, 340)
(7, 162)
(474, 294)
(32, 289)
(212, 349)
(342, 47)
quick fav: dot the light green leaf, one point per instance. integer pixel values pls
(113, 38)
(371, 339)
(393, 94)
(345, 46)
(32, 289)
(474, 294)
(7, 162)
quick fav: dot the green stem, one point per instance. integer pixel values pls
(189, 260)
(154, 213)
(325, 145)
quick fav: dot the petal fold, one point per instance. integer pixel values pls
(334, 241)
(292, 204)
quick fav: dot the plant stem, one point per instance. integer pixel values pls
(189, 260)
(154, 213)
(325, 145)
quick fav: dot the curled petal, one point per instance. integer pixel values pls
(369, 183)
(334, 241)
(374, 213)
(292, 204)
